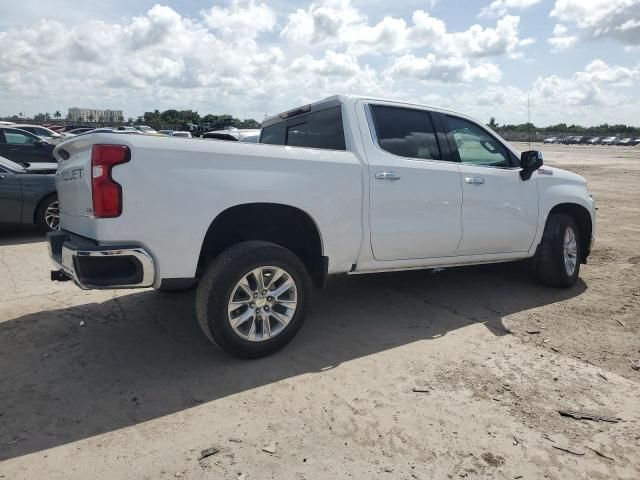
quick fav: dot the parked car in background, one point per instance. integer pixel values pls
(21, 146)
(175, 133)
(78, 131)
(625, 142)
(180, 134)
(593, 141)
(609, 141)
(42, 132)
(636, 141)
(146, 130)
(551, 140)
(28, 194)
(249, 135)
(68, 128)
(112, 130)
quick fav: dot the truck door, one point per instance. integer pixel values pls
(500, 210)
(415, 192)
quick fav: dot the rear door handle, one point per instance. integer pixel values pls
(387, 176)
(474, 180)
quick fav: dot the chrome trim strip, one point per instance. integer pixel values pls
(67, 265)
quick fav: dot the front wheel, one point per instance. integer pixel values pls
(557, 262)
(252, 299)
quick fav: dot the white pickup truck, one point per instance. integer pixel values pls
(345, 185)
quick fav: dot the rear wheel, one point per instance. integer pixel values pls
(253, 298)
(48, 214)
(557, 262)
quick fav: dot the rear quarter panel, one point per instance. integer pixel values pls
(35, 187)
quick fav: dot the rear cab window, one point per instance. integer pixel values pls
(322, 128)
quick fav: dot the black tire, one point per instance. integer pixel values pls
(217, 285)
(549, 261)
(41, 213)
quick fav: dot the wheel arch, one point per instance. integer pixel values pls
(282, 224)
(585, 225)
(39, 204)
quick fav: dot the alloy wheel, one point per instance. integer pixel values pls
(262, 303)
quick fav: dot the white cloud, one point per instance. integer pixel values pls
(591, 87)
(442, 69)
(619, 19)
(499, 8)
(338, 23)
(246, 57)
(241, 18)
(323, 22)
(485, 42)
(561, 40)
(599, 71)
(588, 97)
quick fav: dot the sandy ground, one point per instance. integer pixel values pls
(108, 385)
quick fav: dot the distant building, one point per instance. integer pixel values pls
(93, 115)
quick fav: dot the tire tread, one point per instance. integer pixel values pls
(549, 266)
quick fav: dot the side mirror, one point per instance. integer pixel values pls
(40, 143)
(530, 162)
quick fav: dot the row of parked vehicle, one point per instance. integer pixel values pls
(586, 140)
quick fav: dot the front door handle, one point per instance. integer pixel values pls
(387, 176)
(474, 180)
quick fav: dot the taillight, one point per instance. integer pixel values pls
(107, 194)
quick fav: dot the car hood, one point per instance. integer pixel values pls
(560, 174)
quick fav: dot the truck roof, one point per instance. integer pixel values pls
(335, 100)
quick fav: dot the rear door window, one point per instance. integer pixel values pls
(405, 132)
(17, 138)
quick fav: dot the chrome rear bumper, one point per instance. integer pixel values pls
(94, 266)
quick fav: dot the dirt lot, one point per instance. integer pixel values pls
(107, 385)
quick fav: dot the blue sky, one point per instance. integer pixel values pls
(578, 60)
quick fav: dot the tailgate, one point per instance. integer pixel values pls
(73, 179)
(73, 182)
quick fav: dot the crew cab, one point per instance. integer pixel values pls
(348, 185)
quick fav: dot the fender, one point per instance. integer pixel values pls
(557, 188)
